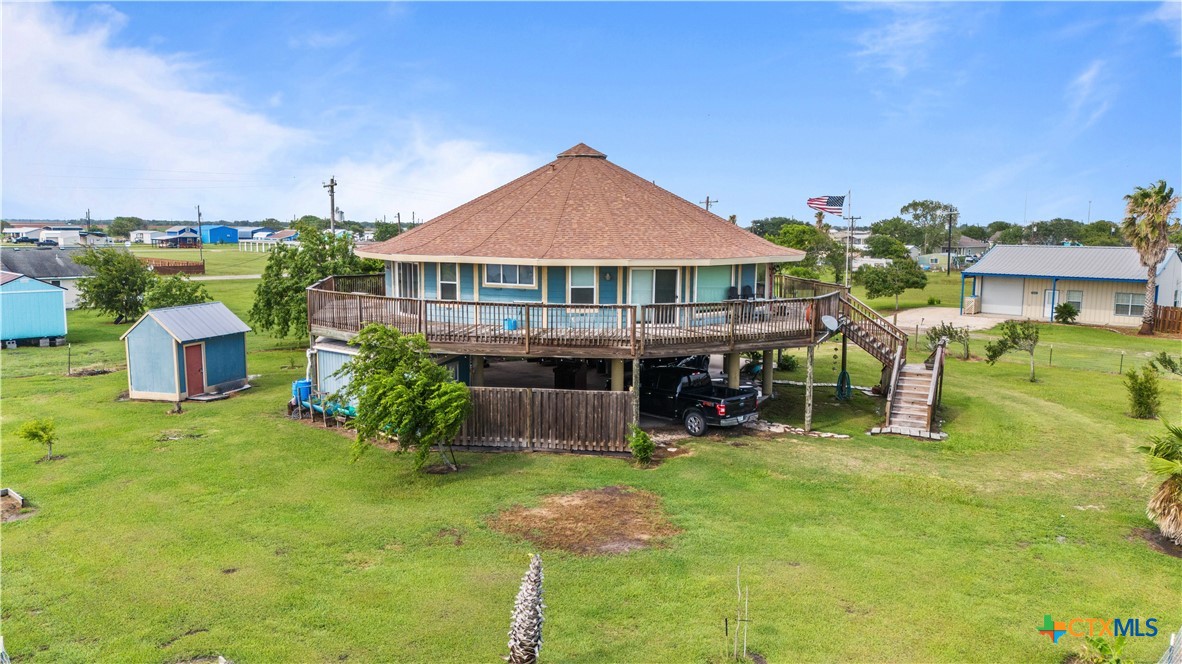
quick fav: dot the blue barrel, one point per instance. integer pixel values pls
(301, 389)
(510, 324)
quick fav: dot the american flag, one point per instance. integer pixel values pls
(830, 204)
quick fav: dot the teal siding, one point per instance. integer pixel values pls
(556, 285)
(747, 278)
(607, 288)
(225, 361)
(713, 283)
(430, 277)
(31, 309)
(467, 273)
(460, 367)
(494, 294)
(149, 359)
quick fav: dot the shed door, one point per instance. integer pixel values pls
(1002, 295)
(194, 370)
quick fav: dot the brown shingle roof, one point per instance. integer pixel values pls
(581, 207)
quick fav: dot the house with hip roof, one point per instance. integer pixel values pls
(1106, 284)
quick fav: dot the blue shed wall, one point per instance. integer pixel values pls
(218, 234)
(150, 366)
(31, 309)
(225, 360)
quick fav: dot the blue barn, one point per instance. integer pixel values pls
(179, 352)
(219, 235)
(30, 308)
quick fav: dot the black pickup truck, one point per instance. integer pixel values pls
(689, 396)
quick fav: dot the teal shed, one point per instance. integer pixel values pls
(30, 308)
(180, 352)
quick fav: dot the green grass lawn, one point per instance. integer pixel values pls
(220, 260)
(256, 538)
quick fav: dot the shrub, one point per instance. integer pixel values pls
(789, 363)
(642, 445)
(956, 335)
(1098, 650)
(1066, 313)
(933, 301)
(1014, 336)
(1163, 361)
(1144, 392)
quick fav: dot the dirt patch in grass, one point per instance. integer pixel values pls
(56, 457)
(337, 427)
(614, 519)
(453, 535)
(1156, 541)
(10, 509)
(90, 372)
(178, 637)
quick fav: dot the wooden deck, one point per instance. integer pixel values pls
(338, 307)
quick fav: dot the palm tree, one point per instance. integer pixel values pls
(1146, 227)
(1165, 459)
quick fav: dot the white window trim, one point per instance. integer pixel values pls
(1132, 303)
(439, 282)
(573, 307)
(485, 282)
(652, 292)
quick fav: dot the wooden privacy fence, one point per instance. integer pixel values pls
(1167, 319)
(173, 266)
(519, 418)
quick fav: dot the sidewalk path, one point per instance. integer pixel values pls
(928, 317)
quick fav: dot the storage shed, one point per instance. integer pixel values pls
(179, 352)
(219, 235)
(30, 308)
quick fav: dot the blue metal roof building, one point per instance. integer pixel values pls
(30, 308)
(219, 235)
(179, 352)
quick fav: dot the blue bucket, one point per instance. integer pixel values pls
(301, 389)
(510, 324)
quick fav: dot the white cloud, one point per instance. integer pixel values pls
(1169, 14)
(1085, 97)
(127, 131)
(902, 43)
(321, 40)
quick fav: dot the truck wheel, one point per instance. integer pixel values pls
(695, 423)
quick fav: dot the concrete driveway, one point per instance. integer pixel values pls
(928, 317)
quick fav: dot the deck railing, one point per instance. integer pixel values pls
(343, 305)
(889, 338)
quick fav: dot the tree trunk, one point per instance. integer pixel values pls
(895, 320)
(49, 454)
(1150, 304)
(1032, 365)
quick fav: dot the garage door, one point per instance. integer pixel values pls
(1002, 295)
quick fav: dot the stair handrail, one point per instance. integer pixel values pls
(890, 404)
(868, 314)
(937, 367)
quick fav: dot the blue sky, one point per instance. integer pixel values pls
(1002, 109)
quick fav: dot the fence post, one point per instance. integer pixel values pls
(527, 329)
(529, 418)
(360, 316)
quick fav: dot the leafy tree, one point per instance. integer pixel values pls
(175, 291)
(123, 226)
(384, 231)
(281, 304)
(833, 257)
(885, 246)
(1144, 392)
(898, 228)
(1101, 234)
(771, 226)
(400, 390)
(931, 219)
(1163, 361)
(1165, 459)
(40, 431)
(118, 284)
(1011, 235)
(999, 226)
(801, 272)
(1066, 313)
(806, 238)
(819, 221)
(1015, 335)
(271, 222)
(311, 221)
(1146, 227)
(891, 280)
(974, 231)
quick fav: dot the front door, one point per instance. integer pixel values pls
(194, 370)
(656, 286)
(1049, 300)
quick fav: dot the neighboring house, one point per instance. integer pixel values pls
(261, 233)
(859, 237)
(1106, 284)
(177, 230)
(284, 235)
(934, 262)
(180, 352)
(64, 238)
(24, 230)
(146, 236)
(53, 266)
(859, 261)
(180, 240)
(219, 234)
(96, 239)
(967, 246)
(30, 308)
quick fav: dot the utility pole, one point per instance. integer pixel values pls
(398, 218)
(1089, 212)
(200, 244)
(331, 186)
(949, 256)
(708, 202)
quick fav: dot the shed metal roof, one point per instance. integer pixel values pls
(1117, 263)
(195, 321)
(42, 263)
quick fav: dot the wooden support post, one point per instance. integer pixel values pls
(527, 329)
(529, 418)
(732, 369)
(636, 391)
(476, 370)
(617, 375)
(808, 392)
(769, 371)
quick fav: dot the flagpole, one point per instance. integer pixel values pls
(849, 238)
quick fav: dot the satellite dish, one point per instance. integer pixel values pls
(830, 323)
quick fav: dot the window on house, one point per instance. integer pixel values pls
(1075, 298)
(509, 275)
(582, 285)
(760, 281)
(407, 275)
(449, 281)
(1129, 304)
